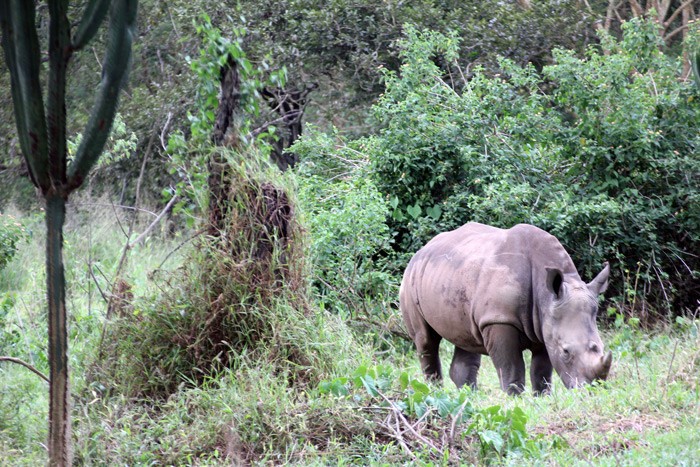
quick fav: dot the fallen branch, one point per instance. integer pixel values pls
(408, 427)
(94, 278)
(396, 434)
(25, 364)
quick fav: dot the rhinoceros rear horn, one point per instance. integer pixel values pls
(605, 364)
(600, 283)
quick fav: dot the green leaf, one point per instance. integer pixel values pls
(403, 380)
(419, 387)
(414, 211)
(398, 215)
(442, 402)
(394, 202)
(435, 212)
(370, 385)
(360, 371)
(493, 439)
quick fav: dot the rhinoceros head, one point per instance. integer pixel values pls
(569, 328)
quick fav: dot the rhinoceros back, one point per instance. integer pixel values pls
(466, 279)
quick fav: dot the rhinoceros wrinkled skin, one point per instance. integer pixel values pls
(498, 292)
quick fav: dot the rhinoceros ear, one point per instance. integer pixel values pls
(554, 281)
(600, 283)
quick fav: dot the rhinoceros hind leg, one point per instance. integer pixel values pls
(540, 372)
(428, 346)
(465, 367)
(505, 349)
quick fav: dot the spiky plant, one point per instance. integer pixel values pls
(41, 126)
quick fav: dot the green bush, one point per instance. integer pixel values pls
(11, 233)
(601, 151)
(346, 220)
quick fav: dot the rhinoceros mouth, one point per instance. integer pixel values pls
(574, 382)
(574, 379)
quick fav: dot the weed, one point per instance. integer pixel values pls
(11, 233)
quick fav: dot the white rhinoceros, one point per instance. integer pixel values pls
(498, 292)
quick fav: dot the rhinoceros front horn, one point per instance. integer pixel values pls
(605, 364)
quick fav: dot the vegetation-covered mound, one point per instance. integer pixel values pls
(241, 291)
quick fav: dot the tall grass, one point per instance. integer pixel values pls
(94, 237)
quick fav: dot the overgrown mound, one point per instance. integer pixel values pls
(240, 294)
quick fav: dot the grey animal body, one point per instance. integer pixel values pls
(499, 292)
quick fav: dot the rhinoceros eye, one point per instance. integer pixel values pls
(566, 354)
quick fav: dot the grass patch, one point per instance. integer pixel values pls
(303, 394)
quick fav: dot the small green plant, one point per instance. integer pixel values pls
(503, 431)
(12, 232)
(414, 398)
(500, 432)
(629, 339)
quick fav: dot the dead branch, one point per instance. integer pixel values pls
(155, 222)
(94, 278)
(675, 14)
(184, 242)
(401, 419)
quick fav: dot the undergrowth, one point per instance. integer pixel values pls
(278, 380)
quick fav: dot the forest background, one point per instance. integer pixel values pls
(275, 336)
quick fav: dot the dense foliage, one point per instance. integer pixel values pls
(606, 159)
(345, 216)
(341, 46)
(352, 43)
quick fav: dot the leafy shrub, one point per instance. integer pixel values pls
(502, 431)
(411, 396)
(187, 159)
(12, 232)
(346, 219)
(606, 159)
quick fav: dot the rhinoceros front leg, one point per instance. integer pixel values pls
(540, 372)
(505, 349)
(464, 368)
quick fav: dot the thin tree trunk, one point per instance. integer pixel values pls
(225, 134)
(59, 394)
(687, 10)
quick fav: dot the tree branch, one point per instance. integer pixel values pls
(675, 14)
(155, 222)
(25, 364)
(121, 32)
(21, 44)
(93, 15)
